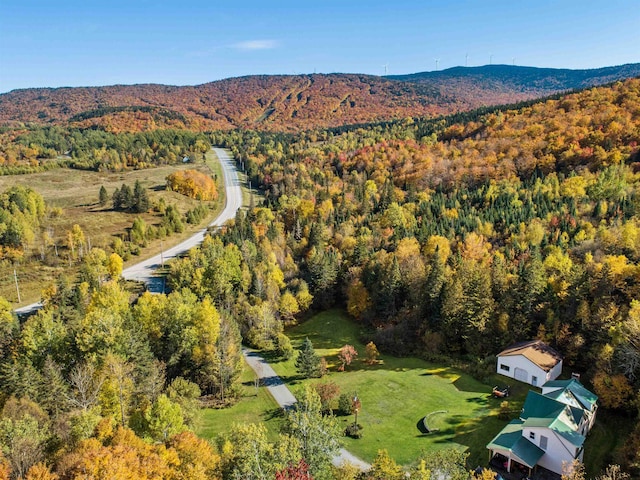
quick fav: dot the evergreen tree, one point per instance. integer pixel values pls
(103, 196)
(433, 288)
(140, 200)
(126, 197)
(308, 361)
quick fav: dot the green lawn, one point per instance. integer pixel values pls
(255, 406)
(608, 434)
(398, 392)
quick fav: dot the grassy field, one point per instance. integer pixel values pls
(608, 434)
(255, 406)
(75, 193)
(398, 392)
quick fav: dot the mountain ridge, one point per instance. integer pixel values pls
(295, 102)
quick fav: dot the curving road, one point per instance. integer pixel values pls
(145, 270)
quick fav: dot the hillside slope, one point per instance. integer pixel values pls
(294, 102)
(500, 84)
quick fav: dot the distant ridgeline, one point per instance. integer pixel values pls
(295, 102)
(37, 148)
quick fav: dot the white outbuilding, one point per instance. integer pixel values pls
(532, 362)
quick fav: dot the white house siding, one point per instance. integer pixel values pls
(548, 390)
(558, 450)
(592, 416)
(523, 363)
(554, 372)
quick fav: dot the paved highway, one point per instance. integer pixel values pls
(145, 270)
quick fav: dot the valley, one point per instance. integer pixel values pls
(379, 268)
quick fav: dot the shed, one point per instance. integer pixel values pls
(533, 362)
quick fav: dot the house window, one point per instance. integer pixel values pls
(534, 380)
(504, 367)
(543, 442)
(532, 435)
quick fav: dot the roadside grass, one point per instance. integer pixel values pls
(75, 192)
(255, 406)
(398, 392)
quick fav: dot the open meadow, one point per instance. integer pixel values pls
(72, 196)
(398, 392)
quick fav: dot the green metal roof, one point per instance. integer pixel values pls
(537, 405)
(511, 439)
(559, 426)
(560, 411)
(584, 396)
(543, 411)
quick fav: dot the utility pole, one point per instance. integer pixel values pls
(15, 277)
(161, 253)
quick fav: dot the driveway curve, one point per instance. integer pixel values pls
(286, 400)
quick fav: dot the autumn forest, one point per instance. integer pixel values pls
(445, 232)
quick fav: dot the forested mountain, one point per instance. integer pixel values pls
(500, 84)
(445, 239)
(294, 102)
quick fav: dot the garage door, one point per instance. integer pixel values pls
(520, 374)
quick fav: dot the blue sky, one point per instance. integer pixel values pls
(53, 43)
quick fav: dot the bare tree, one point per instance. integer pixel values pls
(86, 384)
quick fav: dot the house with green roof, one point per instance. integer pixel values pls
(551, 430)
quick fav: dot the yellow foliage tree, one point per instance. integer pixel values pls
(193, 184)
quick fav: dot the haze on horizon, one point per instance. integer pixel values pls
(78, 43)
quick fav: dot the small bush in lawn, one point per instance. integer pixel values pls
(324, 368)
(345, 404)
(283, 347)
(353, 431)
(327, 392)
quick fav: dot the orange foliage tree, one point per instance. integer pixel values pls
(193, 184)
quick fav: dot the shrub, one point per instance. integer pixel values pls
(353, 430)
(283, 347)
(327, 392)
(345, 406)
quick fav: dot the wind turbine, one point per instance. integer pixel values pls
(437, 62)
